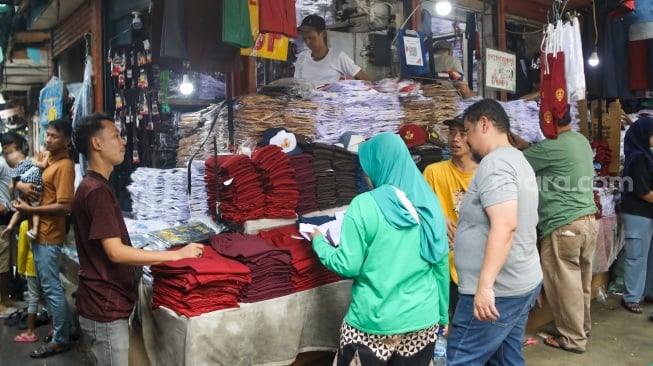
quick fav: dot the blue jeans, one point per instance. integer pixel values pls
(46, 260)
(109, 341)
(638, 231)
(475, 343)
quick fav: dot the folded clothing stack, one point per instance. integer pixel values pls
(344, 165)
(308, 272)
(306, 182)
(270, 266)
(239, 185)
(279, 184)
(195, 286)
(326, 177)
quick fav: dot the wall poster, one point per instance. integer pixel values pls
(500, 70)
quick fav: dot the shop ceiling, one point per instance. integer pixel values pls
(24, 70)
(531, 11)
(28, 55)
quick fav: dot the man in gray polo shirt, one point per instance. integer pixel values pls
(496, 255)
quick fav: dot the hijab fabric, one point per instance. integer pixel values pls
(636, 144)
(386, 161)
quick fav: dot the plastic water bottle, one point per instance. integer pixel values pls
(440, 352)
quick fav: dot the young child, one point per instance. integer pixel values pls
(25, 266)
(28, 171)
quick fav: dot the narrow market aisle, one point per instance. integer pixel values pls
(17, 354)
(618, 337)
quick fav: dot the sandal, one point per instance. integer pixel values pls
(633, 307)
(49, 349)
(14, 318)
(48, 338)
(24, 338)
(555, 343)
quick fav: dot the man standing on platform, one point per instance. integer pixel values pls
(568, 232)
(106, 257)
(496, 253)
(449, 180)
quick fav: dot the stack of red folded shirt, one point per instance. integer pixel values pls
(195, 286)
(279, 184)
(270, 266)
(308, 270)
(240, 188)
(306, 181)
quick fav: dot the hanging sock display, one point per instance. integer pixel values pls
(553, 82)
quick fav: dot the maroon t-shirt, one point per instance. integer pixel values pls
(106, 290)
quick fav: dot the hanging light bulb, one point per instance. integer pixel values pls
(594, 59)
(186, 87)
(443, 7)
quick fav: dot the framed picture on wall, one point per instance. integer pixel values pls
(500, 70)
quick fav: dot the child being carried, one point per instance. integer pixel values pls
(29, 171)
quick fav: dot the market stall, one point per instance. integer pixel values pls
(270, 333)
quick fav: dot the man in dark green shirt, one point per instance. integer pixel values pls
(568, 231)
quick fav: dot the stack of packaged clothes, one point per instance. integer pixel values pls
(193, 128)
(279, 184)
(270, 266)
(306, 182)
(160, 194)
(195, 286)
(240, 188)
(308, 272)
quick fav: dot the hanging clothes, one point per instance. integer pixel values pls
(278, 16)
(203, 27)
(640, 37)
(174, 30)
(553, 88)
(625, 7)
(574, 63)
(236, 29)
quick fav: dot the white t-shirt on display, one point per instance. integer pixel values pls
(335, 65)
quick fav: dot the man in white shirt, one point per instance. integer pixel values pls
(445, 62)
(320, 64)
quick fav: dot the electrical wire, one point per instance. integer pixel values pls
(419, 6)
(596, 31)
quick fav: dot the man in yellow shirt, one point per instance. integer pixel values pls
(449, 180)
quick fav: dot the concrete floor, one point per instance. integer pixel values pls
(618, 338)
(17, 354)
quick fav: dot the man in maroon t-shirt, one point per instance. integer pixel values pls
(106, 292)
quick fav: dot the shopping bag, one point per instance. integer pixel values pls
(271, 45)
(253, 6)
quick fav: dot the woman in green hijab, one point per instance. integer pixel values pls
(393, 245)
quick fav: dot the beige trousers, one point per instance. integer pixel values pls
(566, 256)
